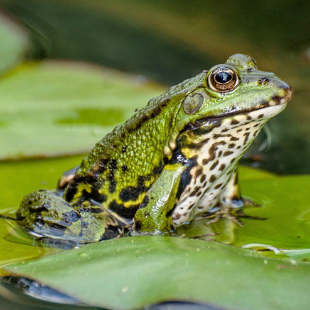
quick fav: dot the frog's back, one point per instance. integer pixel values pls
(125, 163)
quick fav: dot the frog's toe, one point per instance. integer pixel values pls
(249, 203)
(226, 212)
(238, 203)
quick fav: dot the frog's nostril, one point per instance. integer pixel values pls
(263, 81)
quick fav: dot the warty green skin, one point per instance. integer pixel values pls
(171, 162)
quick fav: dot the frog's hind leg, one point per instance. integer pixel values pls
(45, 214)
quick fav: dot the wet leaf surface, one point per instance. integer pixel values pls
(286, 208)
(129, 273)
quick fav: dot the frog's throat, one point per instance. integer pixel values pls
(268, 108)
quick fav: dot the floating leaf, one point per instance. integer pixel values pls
(55, 108)
(129, 273)
(249, 173)
(286, 207)
(279, 224)
(18, 245)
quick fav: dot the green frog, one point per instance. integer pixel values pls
(173, 161)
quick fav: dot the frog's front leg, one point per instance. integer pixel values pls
(231, 195)
(45, 214)
(162, 196)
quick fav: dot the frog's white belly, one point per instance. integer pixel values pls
(216, 164)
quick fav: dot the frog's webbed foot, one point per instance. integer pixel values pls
(45, 214)
(248, 203)
(224, 211)
(231, 204)
(240, 213)
(232, 210)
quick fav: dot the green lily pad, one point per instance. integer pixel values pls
(286, 207)
(19, 178)
(249, 173)
(55, 108)
(279, 224)
(14, 43)
(18, 245)
(129, 273)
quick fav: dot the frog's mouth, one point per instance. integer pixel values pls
(264, 110)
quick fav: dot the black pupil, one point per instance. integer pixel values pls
(223, 77)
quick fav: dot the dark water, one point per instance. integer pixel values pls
(25, 294)
(168, 41)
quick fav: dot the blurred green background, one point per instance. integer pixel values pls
(168, 41)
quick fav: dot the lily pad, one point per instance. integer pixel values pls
(130, 273)
(55, 108)
(286, 209)
(14, 43)
(279, 224)
(18, 245)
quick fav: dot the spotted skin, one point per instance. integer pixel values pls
(173, 161)
(216, 159)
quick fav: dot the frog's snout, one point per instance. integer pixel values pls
(284, 91)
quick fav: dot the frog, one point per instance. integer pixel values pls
(173, 162)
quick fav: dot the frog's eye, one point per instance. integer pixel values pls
(192, 103)
(223, 79)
